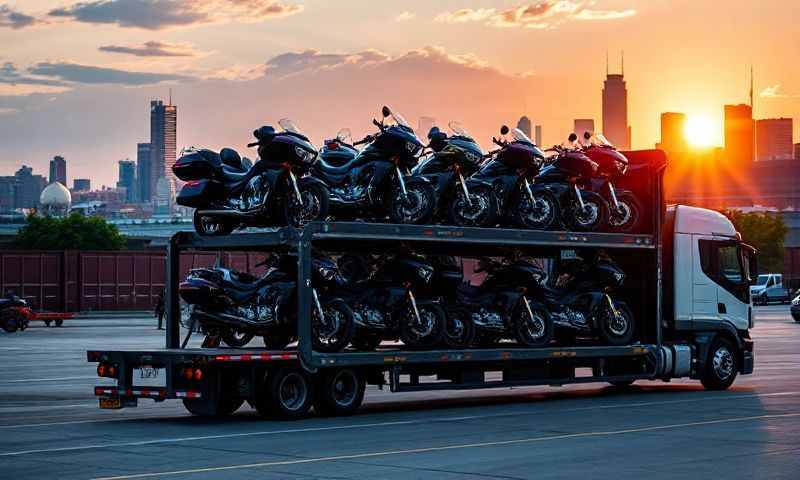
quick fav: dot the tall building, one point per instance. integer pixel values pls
(58, 170)
(28, 187)
(583, 125)
(81, 185)
(538, 135)
(163, 125)
(774, 139)
(673, 132)
(424, 126)
(524, 124)
(7, 186)
(739, 135)
(615, 109)
(127, 179)
(144, 172)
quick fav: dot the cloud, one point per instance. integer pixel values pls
(13, 19)
(545, 14)
(162, 14)
(405, 16)
(88, 74)
(152, 49)
(239, 73)
(774, 91)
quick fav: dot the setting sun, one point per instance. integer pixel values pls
(699, 131)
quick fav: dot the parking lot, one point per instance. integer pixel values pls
(50, 426)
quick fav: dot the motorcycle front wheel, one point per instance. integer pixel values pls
(480, 211)
(425, 333)
(459, 331)
(628, 216)
(211, 226)
(592, 217)
(314, 207)
(617, 329)
(236, 338)
(334, 330)
(539, 214)
(534, 328)
(416, 206)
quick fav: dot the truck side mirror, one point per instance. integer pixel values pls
(749, 255)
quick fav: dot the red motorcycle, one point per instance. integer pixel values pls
(14, 313)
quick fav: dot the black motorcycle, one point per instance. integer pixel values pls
(452, 160)
(228, 193)
(14, 313)
(375, 183)
(383, 293)
(583, 306)
(568, 175)
(237, 306)
(338, 151)
(500, 306)
(511, 171)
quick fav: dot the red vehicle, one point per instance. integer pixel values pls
(14, 313)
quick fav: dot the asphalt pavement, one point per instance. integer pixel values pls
(50, 426)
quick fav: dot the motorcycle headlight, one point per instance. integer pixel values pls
(412, 148)
(796, 300)
(327, 274)
(619, 277)
(425, 274)
(622, 167)
(304, 155)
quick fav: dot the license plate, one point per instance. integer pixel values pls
(149, 376)
(110, 403)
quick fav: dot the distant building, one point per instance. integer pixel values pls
(739, 135)
(127, 179)
(583, 125)
(163, 131)
(163, 198)
(774, 139)
(7, 187)
(538, 135)
(144, 172)
(424, 126)
(81, 185)
(673, 134)
(58, 170)
(27, 188)
(524, 124)
(615, 110)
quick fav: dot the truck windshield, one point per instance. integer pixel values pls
(762, 279)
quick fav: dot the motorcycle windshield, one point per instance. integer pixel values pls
(345, 136)
(598, 139)
(289, 126)
(458, 129)
(520, 136)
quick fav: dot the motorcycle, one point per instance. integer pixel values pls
(228, 193)
(452, 160)
(14, 313)
(384, 298)
(340, 150)
(567, 175)
(375, 181)
(583, 305)
(501, 307)
(237, 306)
(511, 171)
(625, 208)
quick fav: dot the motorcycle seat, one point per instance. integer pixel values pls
(233, 175)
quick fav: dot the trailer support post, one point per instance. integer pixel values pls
(172, 304)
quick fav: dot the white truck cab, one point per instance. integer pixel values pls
(769, 287)
(710, 272)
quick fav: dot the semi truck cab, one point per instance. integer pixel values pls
(708, 275)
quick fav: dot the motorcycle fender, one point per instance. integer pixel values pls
(309, 180)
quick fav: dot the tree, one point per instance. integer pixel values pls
(74, 232)
(766, 233)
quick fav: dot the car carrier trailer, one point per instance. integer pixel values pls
(688, 285)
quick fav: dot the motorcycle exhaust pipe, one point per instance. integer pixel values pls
(226, 213)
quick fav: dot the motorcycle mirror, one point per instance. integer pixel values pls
(504, 130)
(587, 135)
(386, 111)
(572, 137)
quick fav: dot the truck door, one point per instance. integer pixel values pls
(726, 263)
(704, 288)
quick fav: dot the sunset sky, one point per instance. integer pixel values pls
(76, 77)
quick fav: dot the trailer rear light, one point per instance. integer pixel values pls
(192, 374)
(105, 391)
(106, 370)
(198, 375)
(254, 357)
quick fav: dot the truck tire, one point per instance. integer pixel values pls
(722, 365)
(223, 405)
(286, 394)
(59, 322)
(340, 392)
(10, 321)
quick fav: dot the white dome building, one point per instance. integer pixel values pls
(55, 199)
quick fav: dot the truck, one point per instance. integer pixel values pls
(689, 276)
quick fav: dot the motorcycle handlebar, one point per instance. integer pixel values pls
(364, 140)
(250, 145)
(377, 124)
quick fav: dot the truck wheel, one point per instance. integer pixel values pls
(796, 318)
(286, 393)
(47, 323)
(225, 403)
(340, 392)
(722, 365)
(59, 322)
(9, 321)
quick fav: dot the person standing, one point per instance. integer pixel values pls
(159, 311)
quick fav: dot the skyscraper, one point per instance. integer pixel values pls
(28, 188)
(538, 135)
(144, 173)
(673, 135)
(127, 179)
(58, 170)
(739, 135)
(424, 126)
(774, 139)
(582, 125)
(615, 109)
(163, 125)
(524, 124)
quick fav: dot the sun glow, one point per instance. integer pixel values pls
(699, 131)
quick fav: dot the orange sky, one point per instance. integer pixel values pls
(76, 78)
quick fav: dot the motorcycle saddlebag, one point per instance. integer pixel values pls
(196, 193)
(197, 165)
(197, 291)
